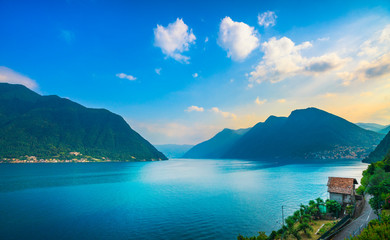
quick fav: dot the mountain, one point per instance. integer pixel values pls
(385, 130)
(216, 146)
(381, 151)
(173, 150)
(371, 126)
(50, 126)
(307, 133)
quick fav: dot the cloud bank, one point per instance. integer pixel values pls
(283, 58)
(8, 75)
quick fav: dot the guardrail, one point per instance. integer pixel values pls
(331, 232)
(358, 231)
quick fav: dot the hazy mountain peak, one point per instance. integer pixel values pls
(306, 133)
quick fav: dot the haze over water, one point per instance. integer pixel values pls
(175, 199)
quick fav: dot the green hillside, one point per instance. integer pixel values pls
(50, 126)
(380, 152)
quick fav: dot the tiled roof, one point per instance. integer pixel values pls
(341, 185)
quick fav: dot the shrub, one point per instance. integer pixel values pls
(262, 236)
(349, 209)
(360, 190)
(326, 227)
(333, 207)
(376, 230)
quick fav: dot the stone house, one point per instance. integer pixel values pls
(342, 190)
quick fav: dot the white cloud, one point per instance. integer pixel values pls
(368, 70)
(385, 35)
(283, 58)
(378, 44)
(281, 100)
(194, 108)
(260, 102)
(374, 59)
(174, 40)
(224, 114)
(158, 71)
(8, 75)
(126, 76)
(267, 19)
(323, 39)
(195, 75)
(237, 38)
(206, 39)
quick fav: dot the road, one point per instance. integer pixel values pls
(366, 216)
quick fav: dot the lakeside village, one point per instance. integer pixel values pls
(73, 157)
(341, 152)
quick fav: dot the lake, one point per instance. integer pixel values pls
(175, 199)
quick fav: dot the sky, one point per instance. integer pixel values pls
(181, 71)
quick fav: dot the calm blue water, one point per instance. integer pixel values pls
(175, 199)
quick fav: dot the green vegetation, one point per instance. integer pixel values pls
(52, 127)
(376, 230)
(299, 225)
(333, 207)
(380, 152)
(326, 227)
(261, 236)
(376, 182)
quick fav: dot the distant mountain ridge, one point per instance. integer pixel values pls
(385, 130)
(375, 127)
(306, 133)
(216, 146)
(173, 150)
(50, 126)
(381, 151)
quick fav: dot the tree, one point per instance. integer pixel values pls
(305, 227)
(291, 229)
(360, 190)
(378, 187)
(313, 208)
(262, 236)
(333, 207)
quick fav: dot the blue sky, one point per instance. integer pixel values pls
(179, 72)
